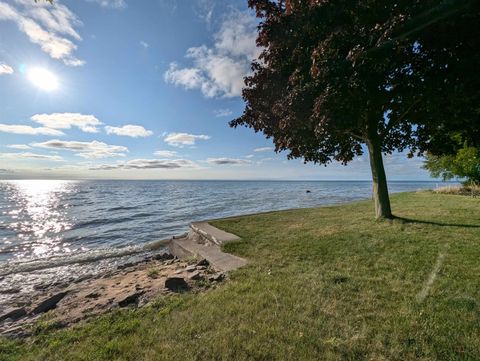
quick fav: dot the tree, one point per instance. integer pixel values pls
(335, 76)
(464, 164)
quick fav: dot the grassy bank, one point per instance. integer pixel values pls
(323, 284)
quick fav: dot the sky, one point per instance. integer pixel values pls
(144, 89)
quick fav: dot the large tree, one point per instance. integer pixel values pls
(337, 76)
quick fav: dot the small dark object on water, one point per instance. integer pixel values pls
(309, 191)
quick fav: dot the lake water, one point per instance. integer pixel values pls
(56, 230)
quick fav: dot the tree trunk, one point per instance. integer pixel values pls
(380, 188)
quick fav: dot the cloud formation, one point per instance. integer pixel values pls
(26, 155)
(148, 164)
(26, 129)
(223, 112)
(19, 146)
(182, 139)
(165, 153)
(263, 149)
(129, 130)
(47, 26)
(227, 161)
(5, 69)
(89, 150)
(115, 4)
(218, 71)
(87, 123)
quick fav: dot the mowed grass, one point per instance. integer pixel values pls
(327, 283)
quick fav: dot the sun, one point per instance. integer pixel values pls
(43, 79)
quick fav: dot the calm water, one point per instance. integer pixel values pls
(58, 230)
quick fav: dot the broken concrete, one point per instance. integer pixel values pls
(204, 241)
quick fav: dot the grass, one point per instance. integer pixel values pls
(472, 190)
(153, 273)
(322, 284)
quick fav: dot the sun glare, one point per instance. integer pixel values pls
(43, 79)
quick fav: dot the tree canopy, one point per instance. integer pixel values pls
(465, 164)
(337, 75)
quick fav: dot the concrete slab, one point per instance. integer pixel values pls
(212, 233)
(191, 245)
(221, 261)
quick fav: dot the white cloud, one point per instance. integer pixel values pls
(263, 149)
(182, 139)
(263, 160)
(55, 158)
(227, 161)
(249, 156)
(90, 150)
(219, 71)
(87, 123)
(19, 146)
(47, 26)
(129, 130)
(223, 112)
(148, 164)
(5, 69)
(144, 44)
(115, 4)
(165, 153)
(58, 19)
(26, 129)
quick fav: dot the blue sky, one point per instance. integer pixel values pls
(138, 89)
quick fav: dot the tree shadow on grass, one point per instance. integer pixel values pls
(409, 220)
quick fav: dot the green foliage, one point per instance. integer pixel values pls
(153, 272)
(464, 164)
(322, 284)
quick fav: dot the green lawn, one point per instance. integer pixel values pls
(327, 283)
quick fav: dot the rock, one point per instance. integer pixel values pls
(219, 277)
(203, 262)
(93, 295)
(13, 314)
(196, 276)
(191, 268)
(176, 284)
(130, 299)
(49, 304)
(201, 268)
(163, 256)
(11, 290)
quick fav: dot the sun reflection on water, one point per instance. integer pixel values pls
(38, 216)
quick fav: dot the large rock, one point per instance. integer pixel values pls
(49, 304)
(130, 299)
(176, 284)
(13, 314)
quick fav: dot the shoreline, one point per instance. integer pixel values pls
(192, 262)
